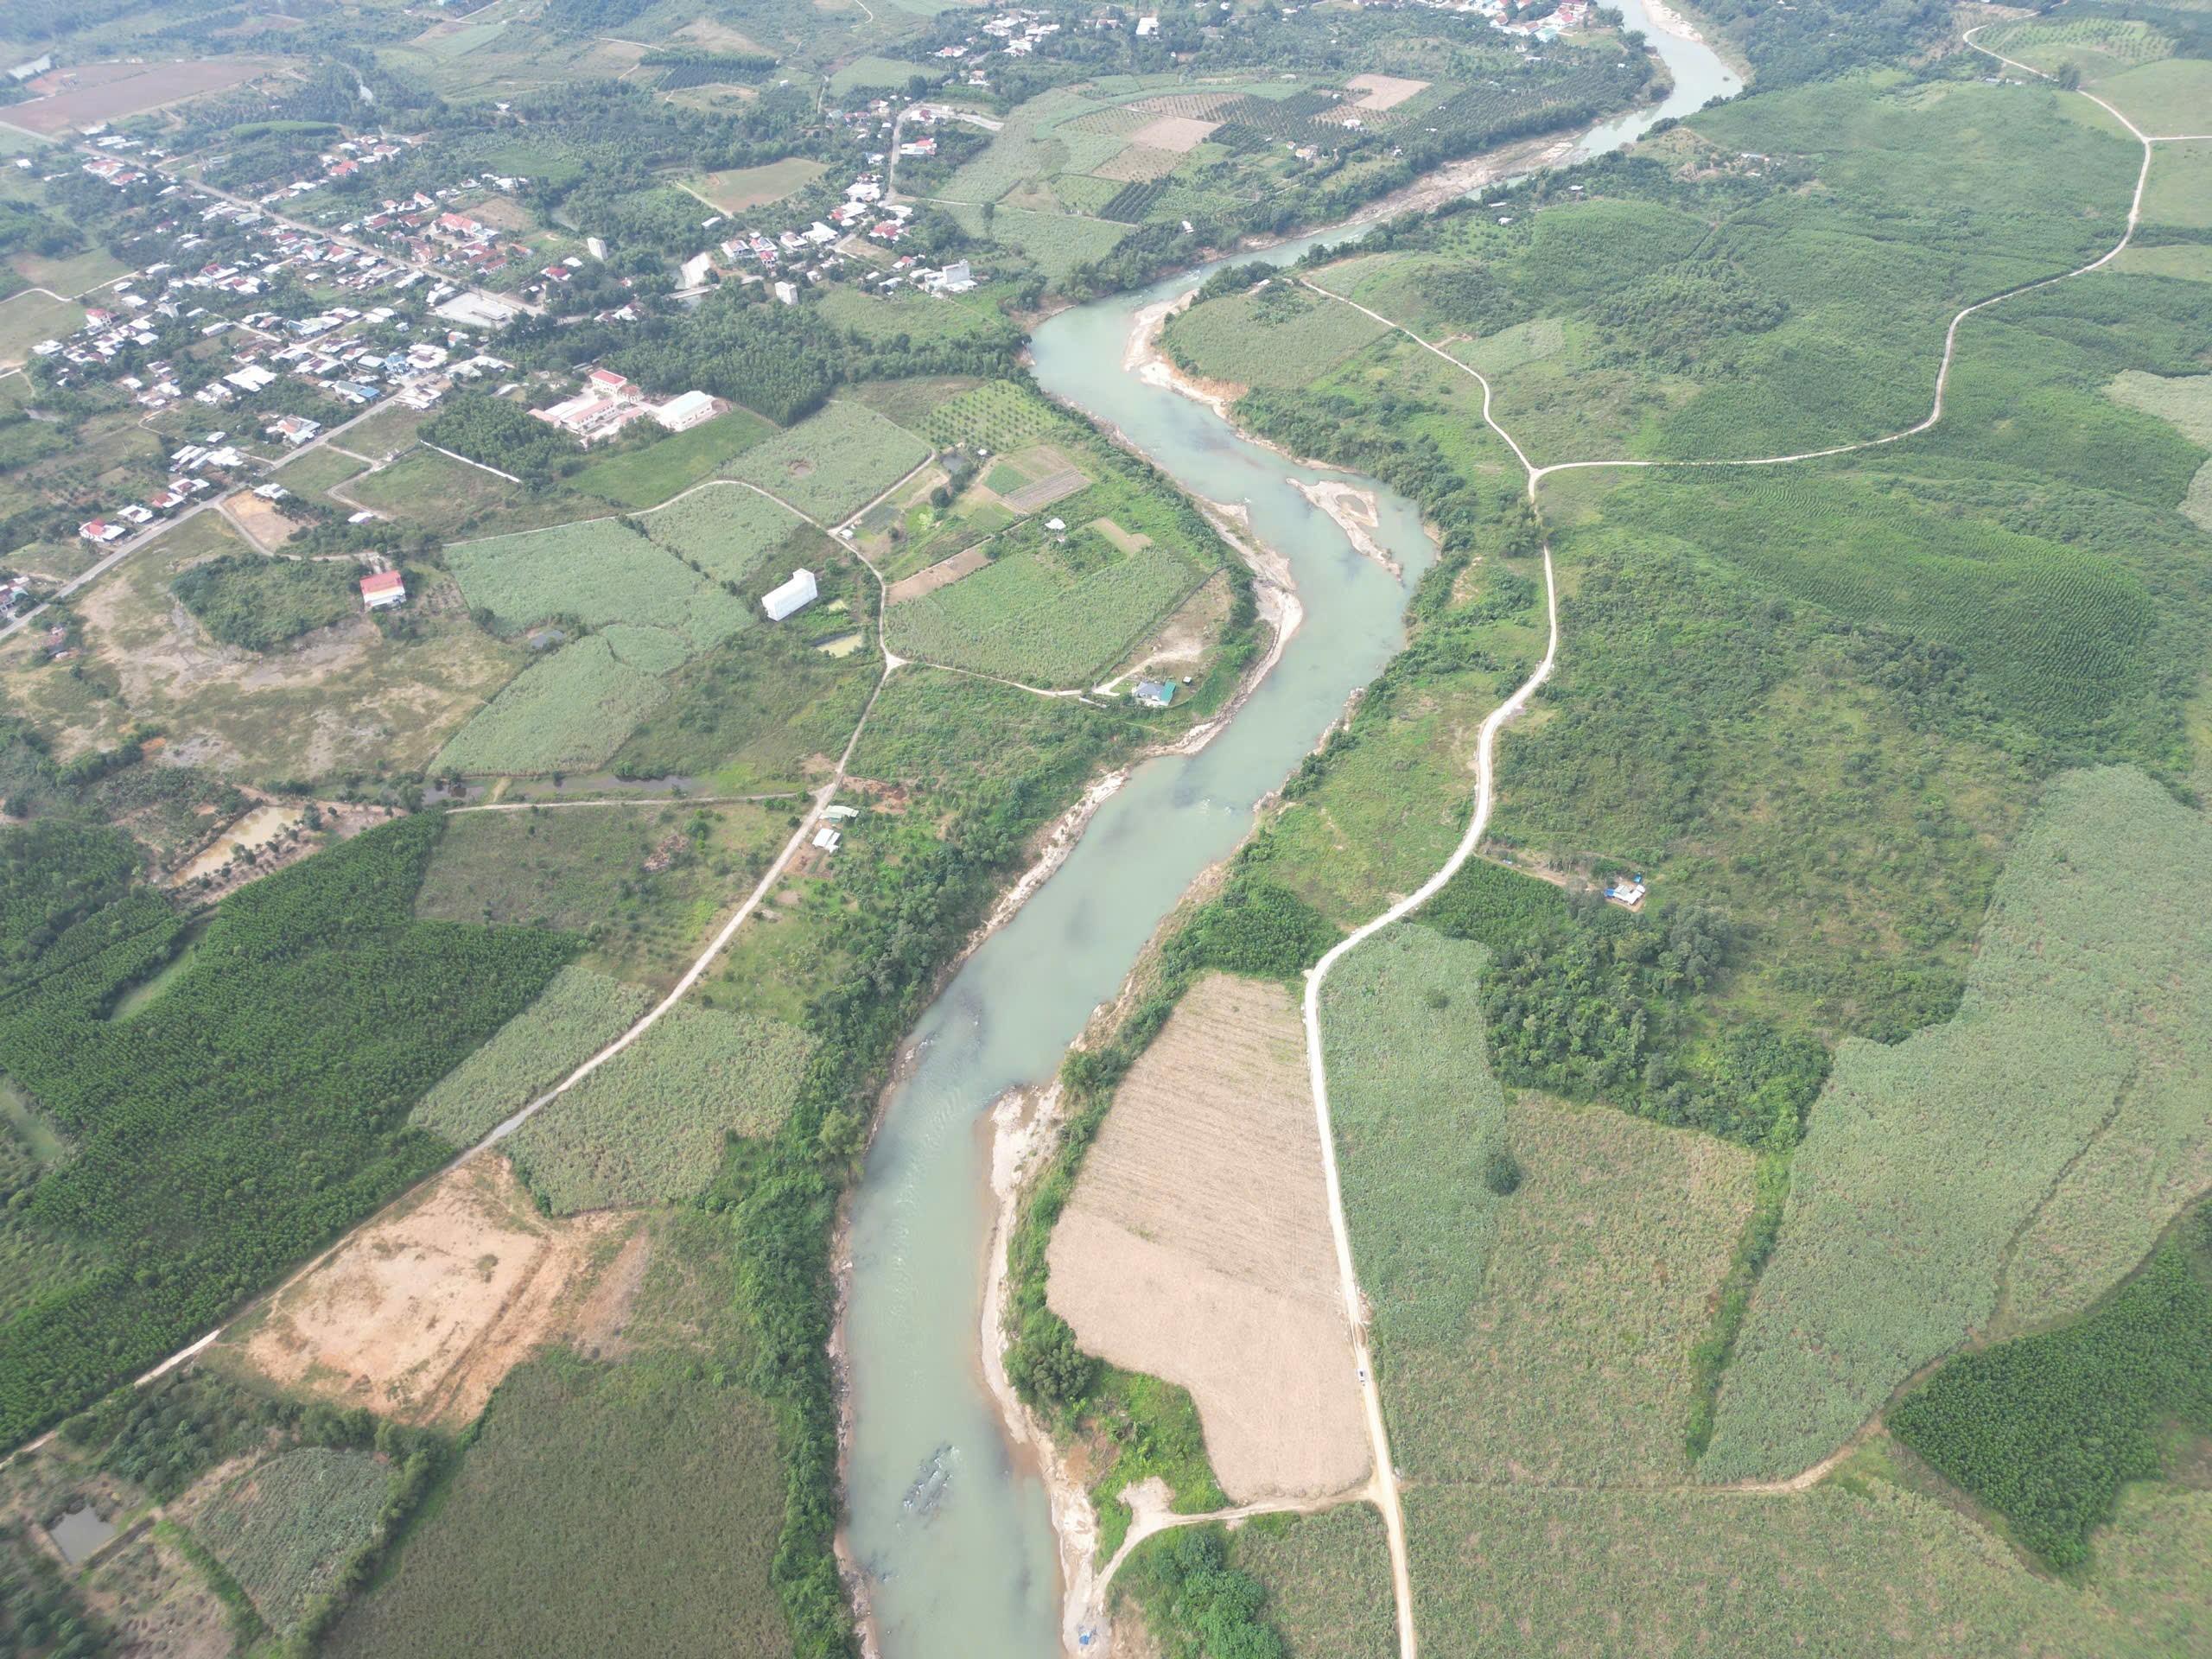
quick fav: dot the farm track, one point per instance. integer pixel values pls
(1383, 1490)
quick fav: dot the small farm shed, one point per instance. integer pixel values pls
(793, 596)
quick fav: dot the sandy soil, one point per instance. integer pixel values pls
(422, 1313)
(1384, 92)
(148, 88)
(1179, 133)
(943, 573)
(1196, 1245)
(262, 828)
(1357, 514)
(1140, 164)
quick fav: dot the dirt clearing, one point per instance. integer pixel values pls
(1196, 1245)
(1384, 92)
(265, 525)
(943, 573)
(1179, 133)
(85, 100)
(422, 1313)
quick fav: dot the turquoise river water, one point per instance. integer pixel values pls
(951, 1529)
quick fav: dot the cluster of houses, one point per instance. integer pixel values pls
(342, 161)
(1569, 14)
(104, 530)
(431, 235)
(1013, 33)
(608, 402)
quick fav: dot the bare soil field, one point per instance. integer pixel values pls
(1179, 133)
(422, 1313)
(1384, 92)
(1196, 1245)
(943, 573)
(98, 92)
(1140, 164)
(259, 517)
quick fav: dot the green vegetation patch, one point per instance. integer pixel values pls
(1055, 243)
(2055, 633)
(1281, 335)
(650, 1125)
(578, 1015)
(567, 713)
(833, 463)
(961, 740)
(596, 572)
(286, 1529)
(1327, 1580)
(1045, 611)
(643, 881)
(243, 599)
(725, 530)
(2039, 1139)
(2185, 401)
(2044, 1429)
(648, 476)
(1839, 1570)
(2180, 190)
(2163, 98)
(269, 1085)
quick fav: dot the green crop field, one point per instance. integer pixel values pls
(997, 416)
(1035, 143)
(2185, 402)
(962, 738)
(2037, 1141)
(725, 529)
(646, 477)
(2163, 98)
(1055, 243)
(2180, 190)
(599, 571)
(751, 717)
(591, 1479)
(649, 1126)
(644, 883)
(287, 1528)
(833, 463)
(578, 1015)
(1048, 613)
(28, 318)
(1281, 336)
(566, 713)
(1500, 1571)
(432, 491)
(1327, 1578)
(737, 188)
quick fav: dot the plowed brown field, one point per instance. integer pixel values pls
(1196, 1246)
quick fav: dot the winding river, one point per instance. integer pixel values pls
(952, 1530)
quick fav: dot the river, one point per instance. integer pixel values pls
(955, 1534)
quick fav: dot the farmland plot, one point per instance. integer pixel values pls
(833, 463)
(2185, 401)
(1042, 616)
(1839, 1573)
(726, 529)
(568, 713)
(600, 571)
(648, 1126)
(1196, 1246)
(1280, 336)
(286, 1529)
(2038, 1141)
(575, 1017)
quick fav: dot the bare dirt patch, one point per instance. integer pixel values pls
(718, 37)
(1180, 646)
(423, 1312)
(84, 99)
(1384, 92)
(1180, 133)
(1139, 164)
(265, 525)
(1196, 1246)
(943, 573)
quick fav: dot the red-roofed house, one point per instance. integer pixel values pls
(384, 590)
